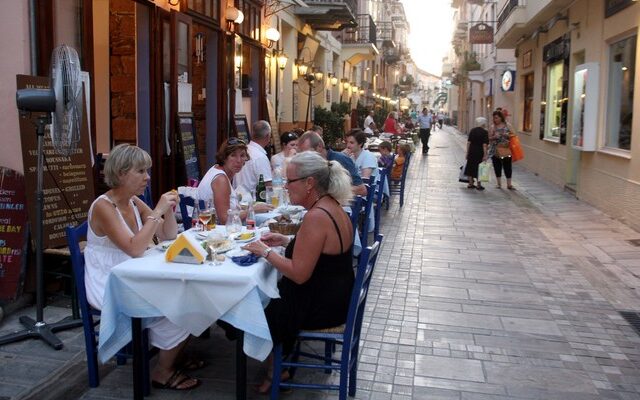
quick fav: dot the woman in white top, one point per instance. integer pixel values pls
(216, 183)
(365, 161)
(289, 142)
(121, 226)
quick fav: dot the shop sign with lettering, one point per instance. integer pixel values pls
(481, 34)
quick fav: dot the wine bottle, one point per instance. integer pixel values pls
(261, 190)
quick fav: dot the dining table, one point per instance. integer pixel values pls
(193, 296)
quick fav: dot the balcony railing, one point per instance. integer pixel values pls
(507, 10)
(385, 31)
(352, 4)
(365, 32)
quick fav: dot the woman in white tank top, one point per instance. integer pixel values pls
(121, 226)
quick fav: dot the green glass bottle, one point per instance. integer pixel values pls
(261, 190)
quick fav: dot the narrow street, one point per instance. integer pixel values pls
(476, 295)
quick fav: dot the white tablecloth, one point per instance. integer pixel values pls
(191, 296)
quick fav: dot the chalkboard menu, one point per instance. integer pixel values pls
(13, 233)
(188, 146)
(68, 180)
(242, 127)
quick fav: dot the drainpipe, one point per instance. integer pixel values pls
(33, 42)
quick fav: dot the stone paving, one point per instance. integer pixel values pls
(477, 295)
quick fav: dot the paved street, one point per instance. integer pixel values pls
(477, 295)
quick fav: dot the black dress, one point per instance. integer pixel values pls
(477, 138)
(320, 302)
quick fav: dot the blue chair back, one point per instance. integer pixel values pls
(367, 207)
(384, 172)
(397, 186)
(356, 209)
(184, 202)
(89, 324)
(146, 197)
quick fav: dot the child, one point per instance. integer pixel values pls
(386, 158)
(398, 162)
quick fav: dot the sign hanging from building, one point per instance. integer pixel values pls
(481, 34)
(508, 81)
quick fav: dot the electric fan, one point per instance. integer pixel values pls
(62, 104)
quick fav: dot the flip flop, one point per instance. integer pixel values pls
(175, 381)
(511, 187)
(265, 386)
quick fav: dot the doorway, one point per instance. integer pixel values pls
(573, 155)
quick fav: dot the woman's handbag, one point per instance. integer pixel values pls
(484, 172)
(503, 150)
(516, 148)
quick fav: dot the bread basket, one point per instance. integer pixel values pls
(285, 228)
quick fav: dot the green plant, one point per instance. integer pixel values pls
(332, 123)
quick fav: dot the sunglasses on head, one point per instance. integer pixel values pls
(234, 140)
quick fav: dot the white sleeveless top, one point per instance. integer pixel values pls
(101, 254)
(204, 188)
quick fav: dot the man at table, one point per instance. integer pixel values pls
(121, 226)
(247, 179)
(311, 141)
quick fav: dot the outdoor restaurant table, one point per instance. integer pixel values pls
(192, 296)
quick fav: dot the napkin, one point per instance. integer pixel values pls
(245, 261)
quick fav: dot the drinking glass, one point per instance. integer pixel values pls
(206, 215)
(269, 196)
(275, 197)
(233, 225)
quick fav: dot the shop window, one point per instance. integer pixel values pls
(555, 101)
(622, 69)
(527, 120)
(252, 18)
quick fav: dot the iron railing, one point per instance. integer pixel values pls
(385, 31)
(365, 32)
(352, 4)
(507, 10)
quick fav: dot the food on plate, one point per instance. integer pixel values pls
(284, 225)
(246, 236)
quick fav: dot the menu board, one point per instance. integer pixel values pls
(13, 233)
(188, 146)
(242, 128)
(67, 180)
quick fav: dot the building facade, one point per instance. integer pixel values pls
(575, 96)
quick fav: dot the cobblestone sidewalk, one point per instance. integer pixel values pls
(477, 295)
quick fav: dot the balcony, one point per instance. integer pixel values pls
(391, 55)
(385, 32)
(359, 43)
(328, 15)
(521, 18)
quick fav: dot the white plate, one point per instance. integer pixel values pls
(226, 247)
(202, 235)
(236, 237)
(163, 246)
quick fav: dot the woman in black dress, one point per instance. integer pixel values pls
(477, 146)
(317, 272)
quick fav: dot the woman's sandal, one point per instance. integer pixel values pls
(176, 382)
(511, 187)
(470, 186)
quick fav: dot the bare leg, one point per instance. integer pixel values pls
(509, 183)
(498, 182)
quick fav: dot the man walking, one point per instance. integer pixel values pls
(424, 121)
(258, 163)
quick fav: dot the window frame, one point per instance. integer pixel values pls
(559, 64)
(527, 106)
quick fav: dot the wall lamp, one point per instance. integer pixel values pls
(173, 2)
(332, 78)
(345, 84)
(354, 88)
(272, 36)
(233, 16)
(282, 60)
(302, 67)
(318, 75)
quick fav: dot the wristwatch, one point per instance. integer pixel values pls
(266, 252)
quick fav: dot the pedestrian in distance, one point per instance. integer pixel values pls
(477, 149)
(424, 122)
(499, 137)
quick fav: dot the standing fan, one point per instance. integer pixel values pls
(62, 104)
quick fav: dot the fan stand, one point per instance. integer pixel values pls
(38, 328)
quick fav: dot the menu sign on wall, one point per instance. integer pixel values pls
(67, 180)
(13, 233)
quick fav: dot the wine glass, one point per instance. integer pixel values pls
(205, 215)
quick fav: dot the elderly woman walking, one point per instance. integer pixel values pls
(477, 145)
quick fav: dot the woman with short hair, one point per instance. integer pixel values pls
(121, 226)
(289, 142)
(477, 145)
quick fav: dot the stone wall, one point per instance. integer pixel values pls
(122, 57)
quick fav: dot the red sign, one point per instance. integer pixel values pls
(13, 233)
(481, 34)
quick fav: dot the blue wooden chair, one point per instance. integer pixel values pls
(367, 207)
(396, 187)
(90, 316)
(356, 209)
(379, 197)
(184, 202)
(347, 335)
(146, 197)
